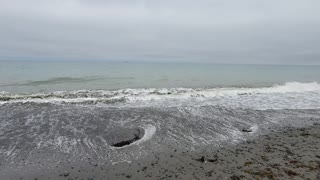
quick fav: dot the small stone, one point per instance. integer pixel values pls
(213, 160)
(289, 152)
(290, 172)
(247, 130)
(250, 142)
(201, 159)
(234, 177)
(128, 176)
(305, 134)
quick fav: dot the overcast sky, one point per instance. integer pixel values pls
(218, 31)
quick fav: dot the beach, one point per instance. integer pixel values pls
(159, 90)
(116, 121)
(286, 150)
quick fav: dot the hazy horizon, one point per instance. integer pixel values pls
(227, 32)
(146, 62)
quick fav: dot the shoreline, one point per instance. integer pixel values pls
(287, 153)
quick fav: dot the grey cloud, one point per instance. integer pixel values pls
(220, 31)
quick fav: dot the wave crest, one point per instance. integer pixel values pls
(133, 95)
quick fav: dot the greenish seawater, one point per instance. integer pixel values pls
(32, 77)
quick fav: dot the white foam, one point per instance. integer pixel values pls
(4, 93)
(117, 162)
(254, 128)
(279, 95)
(297, 87)
(149, 131)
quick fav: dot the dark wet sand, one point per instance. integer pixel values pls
(288, 153)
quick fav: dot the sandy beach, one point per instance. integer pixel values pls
(284, 153)
(289, 153)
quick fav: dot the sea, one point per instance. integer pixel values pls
(50, 110)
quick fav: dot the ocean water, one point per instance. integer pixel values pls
(35, 77)
(161, 84)
(50, 110)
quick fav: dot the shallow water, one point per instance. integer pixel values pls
(30, 131)
(60, 111)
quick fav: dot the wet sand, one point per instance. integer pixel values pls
(287, 153)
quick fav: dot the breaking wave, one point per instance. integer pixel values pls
(154, 95)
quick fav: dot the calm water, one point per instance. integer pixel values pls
(28, 77)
